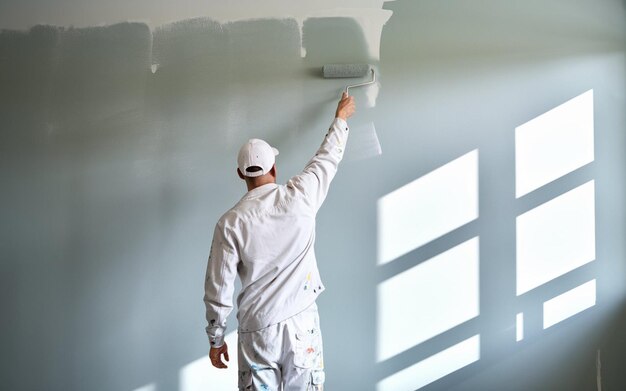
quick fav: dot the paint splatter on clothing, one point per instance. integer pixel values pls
(286, 356)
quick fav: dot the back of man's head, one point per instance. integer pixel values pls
(256, 163)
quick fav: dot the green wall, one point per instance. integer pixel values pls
(113, 177)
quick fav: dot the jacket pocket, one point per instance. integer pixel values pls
(317, 378)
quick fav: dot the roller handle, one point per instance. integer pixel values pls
(362, 84)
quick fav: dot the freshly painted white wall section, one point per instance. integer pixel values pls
(370, 19)
(428, 207)
(24, 14)
(556, 237)
(428, 299)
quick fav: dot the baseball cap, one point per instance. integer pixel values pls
(256, 153)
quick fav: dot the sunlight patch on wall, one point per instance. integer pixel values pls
(428, 207)
(147, 387)
(555, 237)
(434, 367)
(200, 375)
(569, 304)
(554, 144)
(519, 329)
(428, 299)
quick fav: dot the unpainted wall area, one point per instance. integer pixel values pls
(113, 177)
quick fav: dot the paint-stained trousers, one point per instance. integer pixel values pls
(283, 357)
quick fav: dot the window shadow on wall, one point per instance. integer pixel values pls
(464, 81)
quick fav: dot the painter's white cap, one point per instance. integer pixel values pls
(256, 153)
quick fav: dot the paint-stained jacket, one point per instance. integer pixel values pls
(267, 239)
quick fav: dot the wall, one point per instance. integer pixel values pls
(117, 151)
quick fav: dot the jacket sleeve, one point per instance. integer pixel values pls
(314, 181)
(219, 284)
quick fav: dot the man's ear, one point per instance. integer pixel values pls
(240, 174)
(273, 171)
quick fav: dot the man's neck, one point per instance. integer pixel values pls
(253, 184)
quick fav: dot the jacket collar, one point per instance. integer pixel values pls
(258, 191)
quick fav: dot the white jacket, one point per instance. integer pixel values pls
(267, 239)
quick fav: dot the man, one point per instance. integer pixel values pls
(267, 239)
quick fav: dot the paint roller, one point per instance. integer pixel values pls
(367, 145)
(341, 71)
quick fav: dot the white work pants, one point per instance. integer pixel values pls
(283, 357)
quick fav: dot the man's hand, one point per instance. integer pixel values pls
(216, 356)
(345, 107)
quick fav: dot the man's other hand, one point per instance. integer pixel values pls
(216, 356)
(345, 107)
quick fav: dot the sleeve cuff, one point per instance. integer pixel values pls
(216, 342)
(341, 123)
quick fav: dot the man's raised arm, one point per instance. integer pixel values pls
(315, 179)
